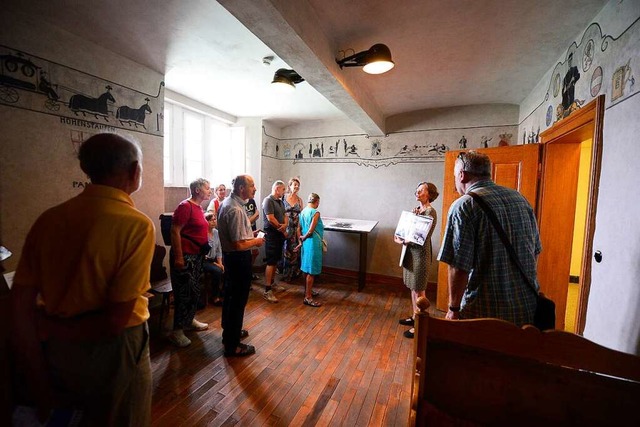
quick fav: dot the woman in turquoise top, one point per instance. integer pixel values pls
(312, 230)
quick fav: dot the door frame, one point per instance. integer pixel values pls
(583, 124)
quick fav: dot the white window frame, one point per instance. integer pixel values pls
(223, 147)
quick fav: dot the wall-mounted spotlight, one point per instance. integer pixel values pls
(376, 60)
(286, 78)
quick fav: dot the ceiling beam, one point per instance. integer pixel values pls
(291, 30)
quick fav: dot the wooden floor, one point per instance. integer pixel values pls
(345, 363)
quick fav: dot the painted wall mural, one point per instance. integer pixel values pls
(78, 98)
(420, 146)
(599, 63)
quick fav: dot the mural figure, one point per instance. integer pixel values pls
(619, 80)
(484, 142)
(337, 142)
(352, 150)
(344, 142)
(462, 143)
(133, 116)
(310, 149)
(95, 106)
(46, 87)
(575, 105)
(587, 57)
(505, 139)
(376, 148)
(299, 155)
(322, 148)
(438, 148)
(316, 151)
(569, 83)
(277, 149)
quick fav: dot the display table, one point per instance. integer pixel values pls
(357, 226)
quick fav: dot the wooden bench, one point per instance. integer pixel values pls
(490, 372)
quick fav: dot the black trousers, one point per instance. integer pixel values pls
(237, 266)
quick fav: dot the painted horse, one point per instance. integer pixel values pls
(95, 106)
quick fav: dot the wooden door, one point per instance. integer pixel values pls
(515, 167)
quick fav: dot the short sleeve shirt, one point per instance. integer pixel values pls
(470, 243)
(194, 225)
(251, 209)
(91, 250)
(275, 207)
(233, 223)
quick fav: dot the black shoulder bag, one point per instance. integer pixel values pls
(545, 316)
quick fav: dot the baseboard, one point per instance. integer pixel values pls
(373, 278)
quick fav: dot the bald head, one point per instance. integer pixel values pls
(111, 159)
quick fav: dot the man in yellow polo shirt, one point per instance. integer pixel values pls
(78, 306)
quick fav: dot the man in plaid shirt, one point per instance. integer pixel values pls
(483, 280)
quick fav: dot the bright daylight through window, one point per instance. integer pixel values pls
(198, 145)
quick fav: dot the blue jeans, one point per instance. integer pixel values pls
(216, 278)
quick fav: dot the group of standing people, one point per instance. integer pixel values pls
(293, 236)
(224, 241)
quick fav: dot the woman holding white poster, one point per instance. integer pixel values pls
(416, 262)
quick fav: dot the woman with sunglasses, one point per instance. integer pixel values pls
(417, 260)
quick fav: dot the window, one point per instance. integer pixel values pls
(193, 144)
(198, 145)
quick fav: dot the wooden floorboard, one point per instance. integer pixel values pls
(345, 363)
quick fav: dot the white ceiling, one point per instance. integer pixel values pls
(447, 52)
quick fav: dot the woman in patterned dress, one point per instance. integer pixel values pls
(417, 260)
(293, 206)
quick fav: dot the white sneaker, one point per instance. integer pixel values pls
(178, 338)
(197, 326)
(268, 295)
(278, 288)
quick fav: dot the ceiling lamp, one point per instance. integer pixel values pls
(286, 78)
(376, 60)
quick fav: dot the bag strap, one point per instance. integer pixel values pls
(503, 236)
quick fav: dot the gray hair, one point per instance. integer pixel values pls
(108, 154)
(197, 184)
(475, 163)
(313, 197)
(277, 184)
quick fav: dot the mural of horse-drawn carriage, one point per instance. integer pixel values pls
(18, 73)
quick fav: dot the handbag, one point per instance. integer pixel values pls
(324, 242)
(204, 248)
(545, 315)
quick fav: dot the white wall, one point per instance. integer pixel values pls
(38, 164)
(379, 187)
(613, 318)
